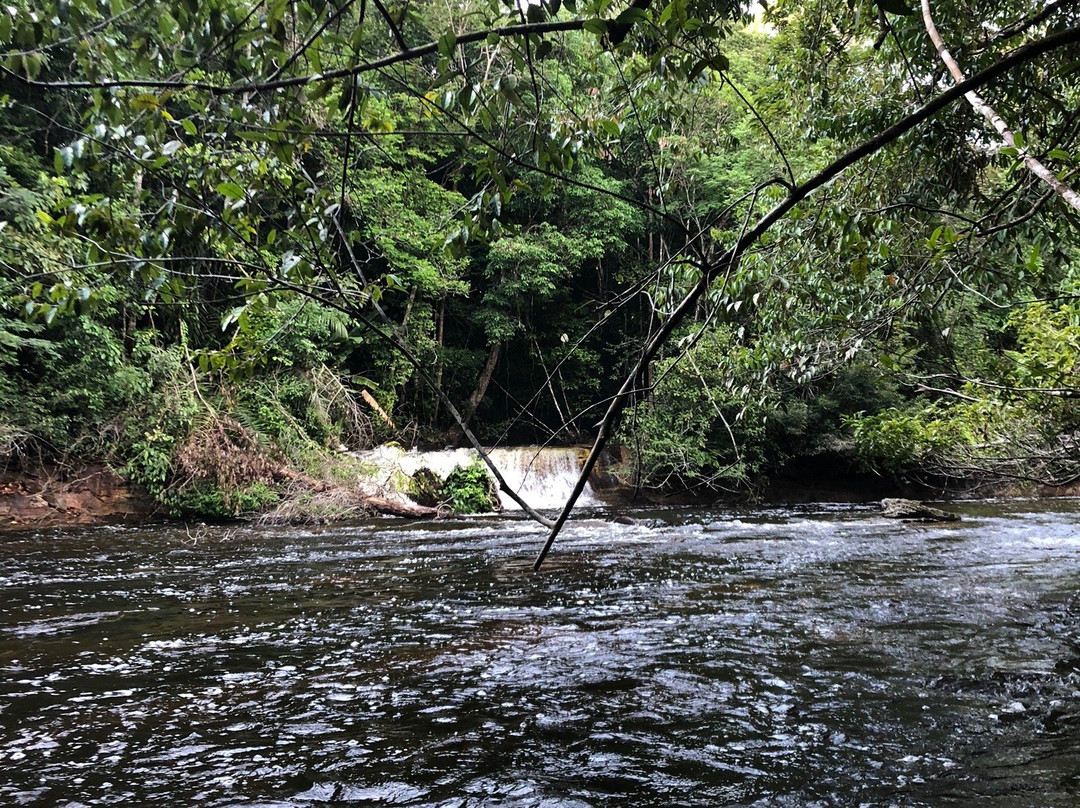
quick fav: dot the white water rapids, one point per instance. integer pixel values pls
(811, 657)
(543, 476)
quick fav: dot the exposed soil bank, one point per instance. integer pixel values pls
(61, 497)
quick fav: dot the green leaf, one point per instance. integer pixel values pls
(31, 64)
(699, 68)
(320, 89)
(595, 26)
(447, 44)
(631, 16)
(145, 101)
(719, 62)
(231, 190)
(58, 161)
(610, 126)
(166, 24)
(859, 268)
(232, 316)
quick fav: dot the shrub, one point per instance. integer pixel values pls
(470, 489)
(218, 503)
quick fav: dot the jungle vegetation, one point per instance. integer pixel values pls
(735, 242)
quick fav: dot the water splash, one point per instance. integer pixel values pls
(543, 476)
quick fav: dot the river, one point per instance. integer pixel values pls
(773, 658)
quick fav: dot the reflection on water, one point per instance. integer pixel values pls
(811, 657)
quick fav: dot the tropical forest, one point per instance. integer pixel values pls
(319, 317)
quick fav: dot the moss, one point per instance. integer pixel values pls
(426, 488)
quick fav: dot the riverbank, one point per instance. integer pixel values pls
(52, 496)
(67, 496)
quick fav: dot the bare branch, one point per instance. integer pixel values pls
(1033, 164)
(1017, 57)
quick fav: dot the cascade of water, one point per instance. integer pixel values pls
(543, 476)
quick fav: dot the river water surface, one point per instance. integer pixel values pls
(819, 656)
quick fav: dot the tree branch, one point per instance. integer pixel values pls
(1033, 164)
(408, 55)
(888, 135)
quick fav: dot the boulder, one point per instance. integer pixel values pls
(913, 510)
(426, 488)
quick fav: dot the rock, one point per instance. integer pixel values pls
(1012, 712)
(69, 496)
(426, 488)
(914, 510)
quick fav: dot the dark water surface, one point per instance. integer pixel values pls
(813, 657)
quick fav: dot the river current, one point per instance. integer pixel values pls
(769, 658)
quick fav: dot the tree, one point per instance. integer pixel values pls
(252, 149)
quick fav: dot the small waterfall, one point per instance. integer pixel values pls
(542, 476)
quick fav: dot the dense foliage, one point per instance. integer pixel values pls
(236, 236)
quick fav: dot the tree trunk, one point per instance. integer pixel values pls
(482, 383)
(1030, 161)
(408, 510)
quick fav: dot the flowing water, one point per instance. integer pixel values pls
(819, 656)
(544, 476)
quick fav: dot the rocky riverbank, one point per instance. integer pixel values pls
(93, 494)
(52, 496)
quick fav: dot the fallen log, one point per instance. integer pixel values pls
(409, 510)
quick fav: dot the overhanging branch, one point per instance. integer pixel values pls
(408, 55)
(1017, 57)
(1032, 163)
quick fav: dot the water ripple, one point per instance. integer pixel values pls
(818, 656)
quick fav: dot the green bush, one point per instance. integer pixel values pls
(215, 503)
(469, 489)
(723, 417)
(425, 488)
